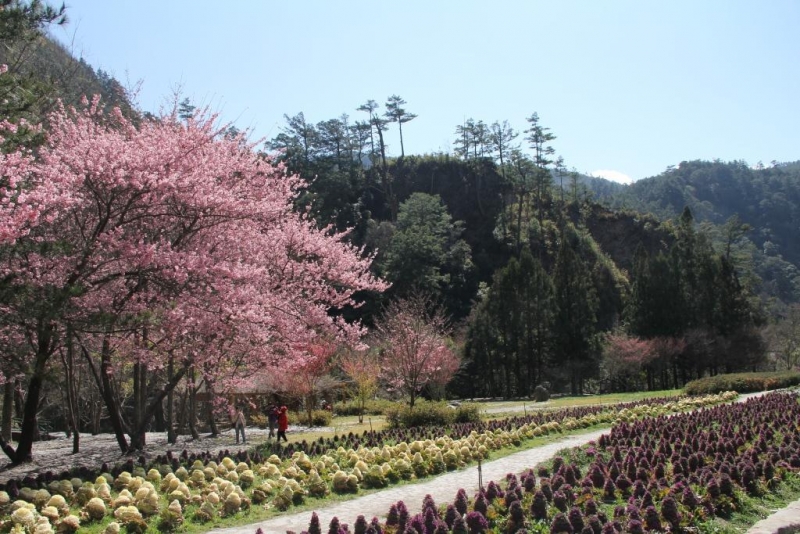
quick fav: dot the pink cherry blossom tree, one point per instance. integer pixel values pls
(162, 244)
(303, 377)
(414, 345)
(625, 359)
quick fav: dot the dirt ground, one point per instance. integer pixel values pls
(56, 454)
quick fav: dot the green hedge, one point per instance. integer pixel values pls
(742, 382)
(318, 418)
(468, 413)
(427, 413)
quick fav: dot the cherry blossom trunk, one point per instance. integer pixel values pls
(193, 405)
(28, 428)
(72, 402)
(212, 422)
(310, 401)
(8, 409)
(412, 399)
(109, 398)
(171, 437)
(139, 393)
(181, 418)
(140, 431)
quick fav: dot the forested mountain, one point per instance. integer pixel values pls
(766, 199)
(538, 264)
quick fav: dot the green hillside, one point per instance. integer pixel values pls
(767, 199)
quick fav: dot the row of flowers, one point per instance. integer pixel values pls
(207, 490)
(654, 475)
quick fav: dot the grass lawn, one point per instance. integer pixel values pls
(490, 410)
(586, 400)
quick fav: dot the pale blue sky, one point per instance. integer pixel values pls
(629, 86)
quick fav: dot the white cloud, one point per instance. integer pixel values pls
(614, 176)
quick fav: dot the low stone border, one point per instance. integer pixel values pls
(784, 521)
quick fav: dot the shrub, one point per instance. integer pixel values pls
(468, 412)
(258, 419)
(541, 394)
(425, 413)
(742, 382)
(372, 407)
(318, 418)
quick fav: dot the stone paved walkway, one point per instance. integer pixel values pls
(442, 488)
(783, 521)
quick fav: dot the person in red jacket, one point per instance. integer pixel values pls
(283, 423)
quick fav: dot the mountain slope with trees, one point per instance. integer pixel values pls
(754, 210)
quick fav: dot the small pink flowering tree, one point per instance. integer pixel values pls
(163, 245)
(303, 376)
(624, 360)
(414, 345)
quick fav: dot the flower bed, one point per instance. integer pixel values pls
(654, 475)
(170, 493)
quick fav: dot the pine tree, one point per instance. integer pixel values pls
(396, 113)
(508, 338)
(686, 254)
(574, 330)
(501, 137)
(370, 106)
(538, 138)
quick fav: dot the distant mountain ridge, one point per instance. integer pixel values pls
(766, 198)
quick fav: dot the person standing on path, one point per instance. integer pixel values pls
(283, 423)
(272, 420)
(238, 424)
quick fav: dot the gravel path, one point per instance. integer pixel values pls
(56, 454)
(442, 488)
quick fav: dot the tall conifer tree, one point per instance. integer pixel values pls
(574, 329)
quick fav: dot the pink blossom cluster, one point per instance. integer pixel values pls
(167, 239)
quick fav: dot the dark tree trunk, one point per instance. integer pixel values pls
(402, 148)
(96, 415)
(182, 398)
(107, 391)
(8, 409)
(157, 422)
(139, 396)
(192, 406)
(139, 432)
(212, 422)
(24, 451)
(72, 402)
(171, 437)
(28, 429)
